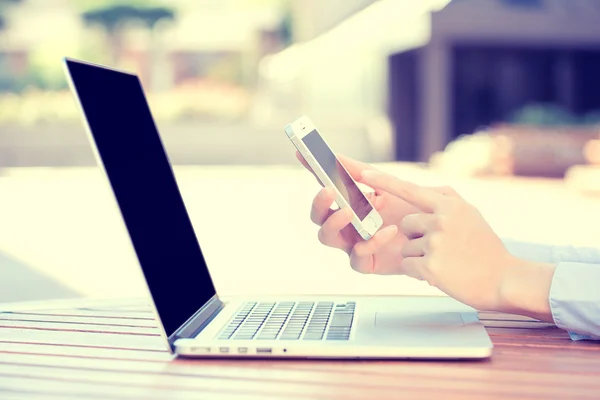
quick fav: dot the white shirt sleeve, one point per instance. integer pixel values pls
(574, 293)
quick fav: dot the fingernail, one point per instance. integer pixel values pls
(392, 230)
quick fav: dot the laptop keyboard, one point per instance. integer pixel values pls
(302, 320)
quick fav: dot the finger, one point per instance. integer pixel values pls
(446, 191)
(330, 235)
(321, 206)
(361, 257)
(354, 167)
(414, 248)
(417, 225)
(303, 161)
(425, 199)
(412, 266)
(377, 200)
(308, 167)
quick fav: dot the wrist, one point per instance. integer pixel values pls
(525, 289)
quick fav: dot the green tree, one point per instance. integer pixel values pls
(7, 81)
(114, 16)
(3, 6)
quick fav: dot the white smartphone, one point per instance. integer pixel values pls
(319, 156)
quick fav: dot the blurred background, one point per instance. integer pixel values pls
(471, 88)
(385, 80)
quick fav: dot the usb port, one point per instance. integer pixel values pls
(242, 349)
(200, 349)
(264, 350)
(224, 349)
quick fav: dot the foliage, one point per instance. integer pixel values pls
(34, 77)
(286, 27)
(113, 17)
(3, 6)
(198, 100)
(552, 115)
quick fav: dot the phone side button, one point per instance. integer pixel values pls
(289, 131)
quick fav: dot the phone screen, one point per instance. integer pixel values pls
(338, 175)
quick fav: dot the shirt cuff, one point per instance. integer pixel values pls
(529, 251)
(575, 299)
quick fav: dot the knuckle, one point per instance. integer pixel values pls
(322, 197)
(404, 265)
(440, 223)
(430, 280)
(356, 265)
(434, 242)
(322, 236)
(405, 251)
(317, 198)
(406, 222)
(428, 273)
(314, 217)
(361, 251)
(448, 190)
(433, 267)
(358, 269)
(365, 249)
(407, 266)
(343, 218)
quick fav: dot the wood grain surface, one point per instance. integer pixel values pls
(112, 351)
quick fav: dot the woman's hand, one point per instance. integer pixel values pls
(382, 254)
(450, 245)
(441, 239)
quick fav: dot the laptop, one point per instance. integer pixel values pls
(193, 319)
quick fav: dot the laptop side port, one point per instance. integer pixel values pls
(264, 350)
(200, 350)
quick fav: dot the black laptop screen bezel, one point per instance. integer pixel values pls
(180, 311)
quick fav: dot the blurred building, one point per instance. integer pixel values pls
(438, 69)
(486, 60)
(340, 78)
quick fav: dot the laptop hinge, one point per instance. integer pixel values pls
(198, 321)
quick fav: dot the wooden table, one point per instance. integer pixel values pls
(54, 219)
(112, 349)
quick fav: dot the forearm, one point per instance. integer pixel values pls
(555, 284)
(525, 289)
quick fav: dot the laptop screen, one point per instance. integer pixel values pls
(142, 180)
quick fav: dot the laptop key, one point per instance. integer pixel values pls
(291, 321)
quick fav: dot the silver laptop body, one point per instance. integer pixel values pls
(193, 320)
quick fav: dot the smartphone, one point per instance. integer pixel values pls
(319, 156)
